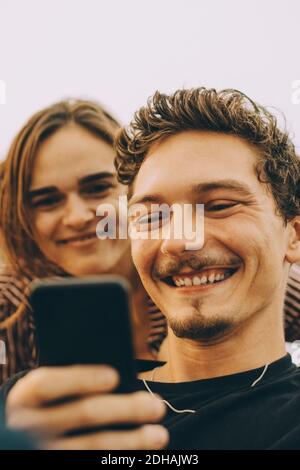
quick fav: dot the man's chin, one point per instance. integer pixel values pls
(201, 329)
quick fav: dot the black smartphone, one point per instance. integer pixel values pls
(85, 321)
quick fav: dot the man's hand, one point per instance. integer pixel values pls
(51, 401)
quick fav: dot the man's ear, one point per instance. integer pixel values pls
(293, 248)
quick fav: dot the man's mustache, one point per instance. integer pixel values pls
(173, 266)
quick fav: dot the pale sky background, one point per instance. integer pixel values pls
(120, 51)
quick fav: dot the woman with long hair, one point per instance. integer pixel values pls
(59, 168)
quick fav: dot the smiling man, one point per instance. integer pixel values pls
(228, 383)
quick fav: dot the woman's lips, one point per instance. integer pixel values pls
(79, 241)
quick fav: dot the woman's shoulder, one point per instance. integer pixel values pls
(292, 305)
(293, 285)
(13, 287)
(294, 274)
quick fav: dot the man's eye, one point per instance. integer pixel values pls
(220, 206)
(151, 221)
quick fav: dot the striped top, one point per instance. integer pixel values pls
(292, 305)
(19, 339)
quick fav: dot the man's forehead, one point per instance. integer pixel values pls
(191, 159)
(197, 138)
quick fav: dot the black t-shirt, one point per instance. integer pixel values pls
(230, 414)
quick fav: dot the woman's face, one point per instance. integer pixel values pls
(73, 174)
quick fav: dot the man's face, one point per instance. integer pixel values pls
(239, 270)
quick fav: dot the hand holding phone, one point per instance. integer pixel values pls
(37, 404)
(84, 321)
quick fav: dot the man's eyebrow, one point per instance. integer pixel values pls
(96, 176)
(153, 198)
(229, 184)
(197, 189)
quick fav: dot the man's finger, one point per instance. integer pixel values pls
(145, 438)
(92, 411)
(47, 384)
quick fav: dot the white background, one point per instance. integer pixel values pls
(121, 51)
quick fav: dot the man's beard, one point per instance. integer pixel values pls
(201, 329)
(207, 328)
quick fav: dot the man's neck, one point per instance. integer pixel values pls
(257, 342)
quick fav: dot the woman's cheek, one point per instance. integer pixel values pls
(43, 225)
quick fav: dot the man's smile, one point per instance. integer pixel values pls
(201, 279)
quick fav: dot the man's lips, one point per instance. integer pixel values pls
(78, 239)
(202, 278)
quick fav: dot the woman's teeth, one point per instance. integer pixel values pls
(201, 279)
(78, 239)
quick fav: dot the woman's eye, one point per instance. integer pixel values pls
(98, 188)
(47, 202)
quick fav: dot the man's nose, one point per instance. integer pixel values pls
(77, 213)
(173, 247)
(183, 238)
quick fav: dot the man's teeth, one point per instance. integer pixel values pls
(198, 280)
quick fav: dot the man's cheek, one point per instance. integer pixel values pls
(136, 253)
(141, 256)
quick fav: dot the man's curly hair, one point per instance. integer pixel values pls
(228, 111)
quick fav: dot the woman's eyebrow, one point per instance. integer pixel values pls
(84, 180)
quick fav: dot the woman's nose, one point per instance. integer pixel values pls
(78, 213)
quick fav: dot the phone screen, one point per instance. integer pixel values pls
(85, 321)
